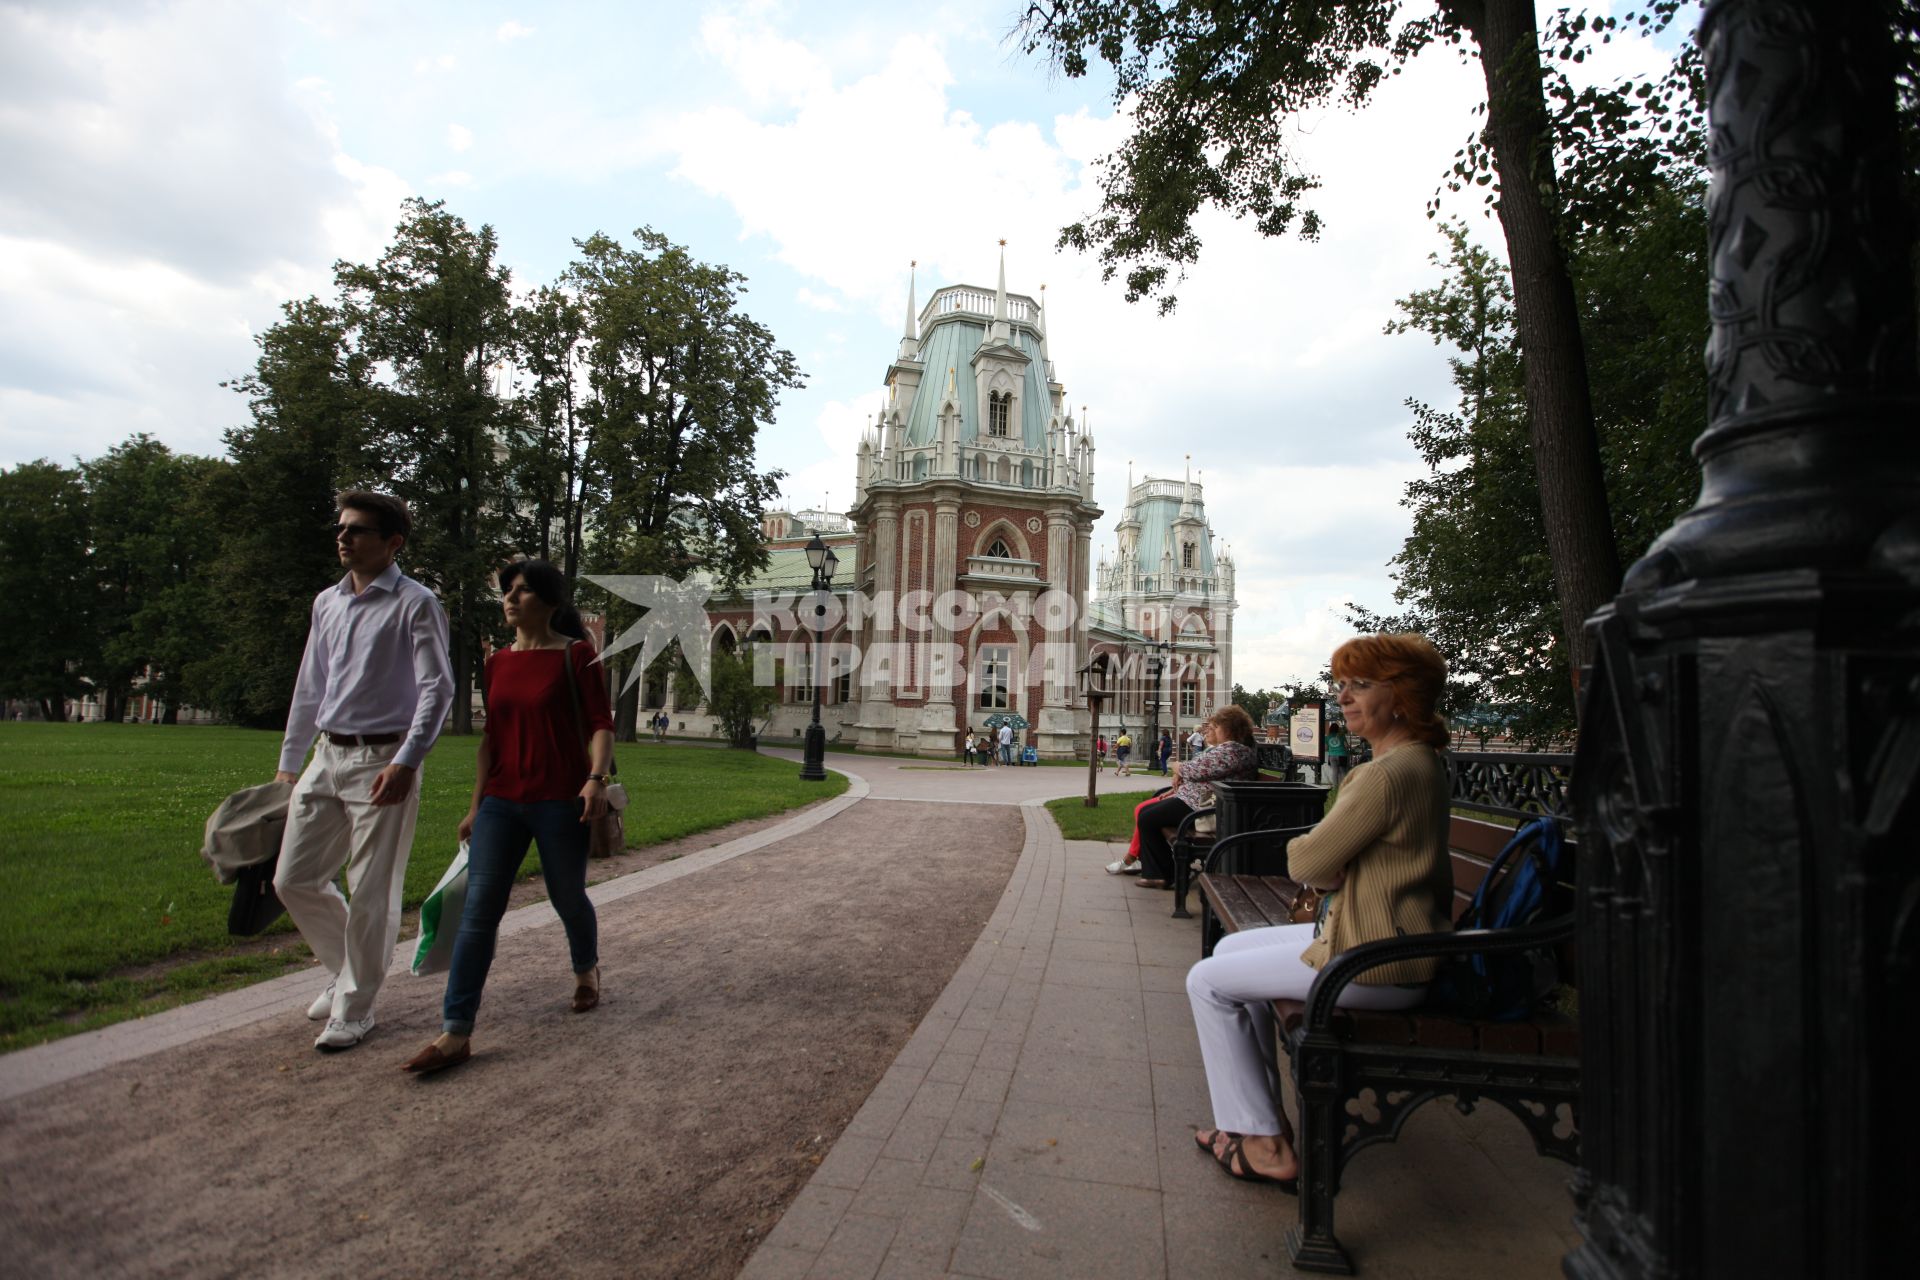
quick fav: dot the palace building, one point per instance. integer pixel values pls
(965, 563)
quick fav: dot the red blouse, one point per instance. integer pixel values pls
(537, 747)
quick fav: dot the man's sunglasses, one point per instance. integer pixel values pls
(353, 530)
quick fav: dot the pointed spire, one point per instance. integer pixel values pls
(1040, 323)
(910, 335)
(1000, 291)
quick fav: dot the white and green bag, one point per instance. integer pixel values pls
(440, 917)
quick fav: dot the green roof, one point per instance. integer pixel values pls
(950, 344)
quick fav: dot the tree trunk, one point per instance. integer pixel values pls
(53, 710)
(1566, 448)
(171, 715)
(626, 720)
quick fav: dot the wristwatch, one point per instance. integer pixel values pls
(600, 778)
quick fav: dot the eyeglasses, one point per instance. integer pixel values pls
(353, 530)
(1339, 687)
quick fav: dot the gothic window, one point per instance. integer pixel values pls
(998, 407)
(998, 547)
(995, 664)
(1189, 700)
(1186, 555)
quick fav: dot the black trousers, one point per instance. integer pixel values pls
(1156, 854)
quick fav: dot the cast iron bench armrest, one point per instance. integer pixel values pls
(1350, 964)
(1248, 837)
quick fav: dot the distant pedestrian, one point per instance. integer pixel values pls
(1006, 743)
(1122, 748)
(966, 749)
(1165, 749)
(1336, 755)
(1100, 750)
(1196, 743)
(374, 687)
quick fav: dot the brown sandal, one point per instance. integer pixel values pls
(586, 997)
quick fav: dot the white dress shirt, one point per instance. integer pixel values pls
(375, 663)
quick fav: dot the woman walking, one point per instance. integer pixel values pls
(542, 776)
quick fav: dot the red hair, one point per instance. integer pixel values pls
(1411, 667)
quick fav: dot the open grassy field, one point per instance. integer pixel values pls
(108, 912)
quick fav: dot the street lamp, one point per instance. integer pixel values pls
(1156, 667)
(820, 558)
(1093, 683)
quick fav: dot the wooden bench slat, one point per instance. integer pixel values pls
(1268, 896)
(1230, 902)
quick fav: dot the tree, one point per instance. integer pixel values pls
(436, 310)
(1212, 85)
(153, 537)
(1475, 568)
(737, 702)
(680, 381)
(47, 631)
(549, 480)
(310, 437)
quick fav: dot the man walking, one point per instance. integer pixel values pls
(374, 686)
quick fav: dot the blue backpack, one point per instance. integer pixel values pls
(1516, 890)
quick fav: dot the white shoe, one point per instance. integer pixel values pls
(322, 1006)
(341, 1034)
(1123, 868)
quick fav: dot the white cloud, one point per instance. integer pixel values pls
(171, 194)
(459, 137)
(511, 30)
(819, 301)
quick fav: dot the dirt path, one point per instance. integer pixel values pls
(749, 1010)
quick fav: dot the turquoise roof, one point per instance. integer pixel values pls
(950, 344)
(1156, 515)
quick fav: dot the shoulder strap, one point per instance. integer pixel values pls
(579, 715)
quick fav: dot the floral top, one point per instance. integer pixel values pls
(1225, 760)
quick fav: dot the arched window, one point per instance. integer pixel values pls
(998, 547)
(998, 412)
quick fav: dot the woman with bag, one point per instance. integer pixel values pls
(545, 763)
(1380, 857)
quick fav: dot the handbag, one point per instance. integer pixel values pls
(440, 917)
(606, 834)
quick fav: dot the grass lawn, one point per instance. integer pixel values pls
(1113, 820)
(107, 911)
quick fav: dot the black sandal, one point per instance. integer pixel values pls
(1235, 1162)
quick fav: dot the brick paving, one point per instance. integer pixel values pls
(1038, 1124)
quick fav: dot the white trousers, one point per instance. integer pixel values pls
(332, 823)
(1231, 992)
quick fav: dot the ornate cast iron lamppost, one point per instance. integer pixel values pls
(1093, 683)
(820, 558)
(1746, 779)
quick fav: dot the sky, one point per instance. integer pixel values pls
(176, 171)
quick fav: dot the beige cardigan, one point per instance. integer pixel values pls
(1388, 832)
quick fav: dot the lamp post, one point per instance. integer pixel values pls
(1156, 670)
(820, 558)
(1093, 684)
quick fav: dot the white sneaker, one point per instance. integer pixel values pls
(322, 1006)
(1123, 868)
(341, 1034)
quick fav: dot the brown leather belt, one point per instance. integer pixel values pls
(362, 739)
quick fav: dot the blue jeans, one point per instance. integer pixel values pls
(501, 833)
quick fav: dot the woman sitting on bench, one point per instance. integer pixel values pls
(1381, 858)
(1229, 755)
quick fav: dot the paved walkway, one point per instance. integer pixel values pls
(1037, 1123)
